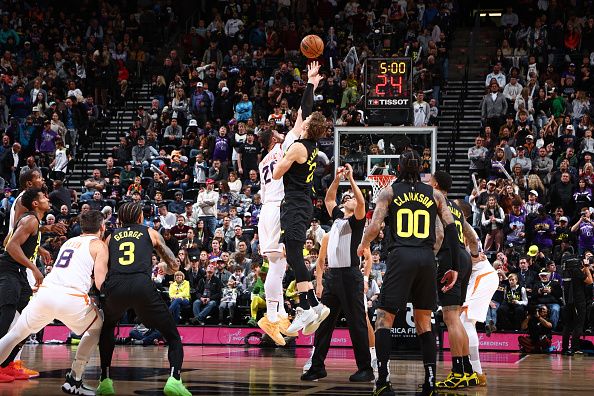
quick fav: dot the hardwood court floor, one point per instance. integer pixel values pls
(254, 371)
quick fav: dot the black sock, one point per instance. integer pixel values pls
(467, 365)
(176, 373)
(429, 352)
(457, 366)
(383, 346)
(104, 373)
(303, 303)
(312, 299)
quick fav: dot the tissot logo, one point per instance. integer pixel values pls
(388, 102)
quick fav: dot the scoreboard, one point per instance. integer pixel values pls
(389, 83)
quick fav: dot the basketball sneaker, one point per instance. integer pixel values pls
(74, 387)
(175, 387)
(307, 364)
(482, 379)
(105, 387)
(457, 380)
(283, 326)
(4, 378)
(322, 313)
(12, 371)
(272, 329)
(20, 366)
(303, 317)
(384, 390)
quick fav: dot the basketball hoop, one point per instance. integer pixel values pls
(378, 183)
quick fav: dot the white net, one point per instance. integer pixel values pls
(378, 183)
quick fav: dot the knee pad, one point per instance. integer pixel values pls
(294, 251)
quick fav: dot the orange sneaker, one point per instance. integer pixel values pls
(12, 371)
(18, 364)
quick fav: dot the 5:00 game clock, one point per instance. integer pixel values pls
(389, 83)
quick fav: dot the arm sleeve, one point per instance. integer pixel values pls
(451, 240)
(307, 101)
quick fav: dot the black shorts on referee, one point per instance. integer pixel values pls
(457, 294)
(410, 276)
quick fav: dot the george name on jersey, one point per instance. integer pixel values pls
(127, 234)
(415, 197)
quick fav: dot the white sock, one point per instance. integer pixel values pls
(372, 353)
(87, 344)
(273, 286)
(473, 342)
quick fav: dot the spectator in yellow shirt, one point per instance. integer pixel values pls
(179, 293)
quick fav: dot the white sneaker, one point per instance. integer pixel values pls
(302, 318)
(322, 313)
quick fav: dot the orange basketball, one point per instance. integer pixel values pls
(312, 46)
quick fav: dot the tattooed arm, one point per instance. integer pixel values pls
(379, 214)
(471, 238)
(163, 251)
(438, 235)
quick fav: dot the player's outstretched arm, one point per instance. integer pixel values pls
(321, 263)
(296, 152)
(360, 210)
(330, 199)
(27, 227)
(100, 254)
(379, 214)
(163, 251)
(307, 100)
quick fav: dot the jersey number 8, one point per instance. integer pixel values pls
(413, 223)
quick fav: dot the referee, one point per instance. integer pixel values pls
(344, 281)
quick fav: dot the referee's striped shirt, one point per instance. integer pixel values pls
(344, 237)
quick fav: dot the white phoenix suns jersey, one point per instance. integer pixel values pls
(74, 266)
(271, 190)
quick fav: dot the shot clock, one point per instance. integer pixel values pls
(389, 83)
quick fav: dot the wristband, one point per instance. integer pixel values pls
(366, 278)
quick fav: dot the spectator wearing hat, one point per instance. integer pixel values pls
(207, 205)
(179, 293)
(200, 104)
(168, 219)
(547, 291)
(208, 293)
(196, 271)
(221, 269)
(181, 174)
(585, 231)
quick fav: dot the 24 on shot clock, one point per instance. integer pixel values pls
(389, 83)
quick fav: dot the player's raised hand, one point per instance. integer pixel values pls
(361, 249)
(449, 278)
(348, 172)
(312, 69)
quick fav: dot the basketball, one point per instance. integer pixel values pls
(312, 46)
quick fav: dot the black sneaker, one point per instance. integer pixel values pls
(384, 390)
(74, 387)
(362, 376)
(314, 375)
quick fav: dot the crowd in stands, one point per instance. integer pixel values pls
(532, 197)
(191, 156)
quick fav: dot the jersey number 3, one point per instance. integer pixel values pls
(267, 172)
(409, 223)
(127, 249)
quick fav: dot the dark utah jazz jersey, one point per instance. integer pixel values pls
(412, 215)
(130, 251)
(30, 248)
(299, 177)
(458, 221)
